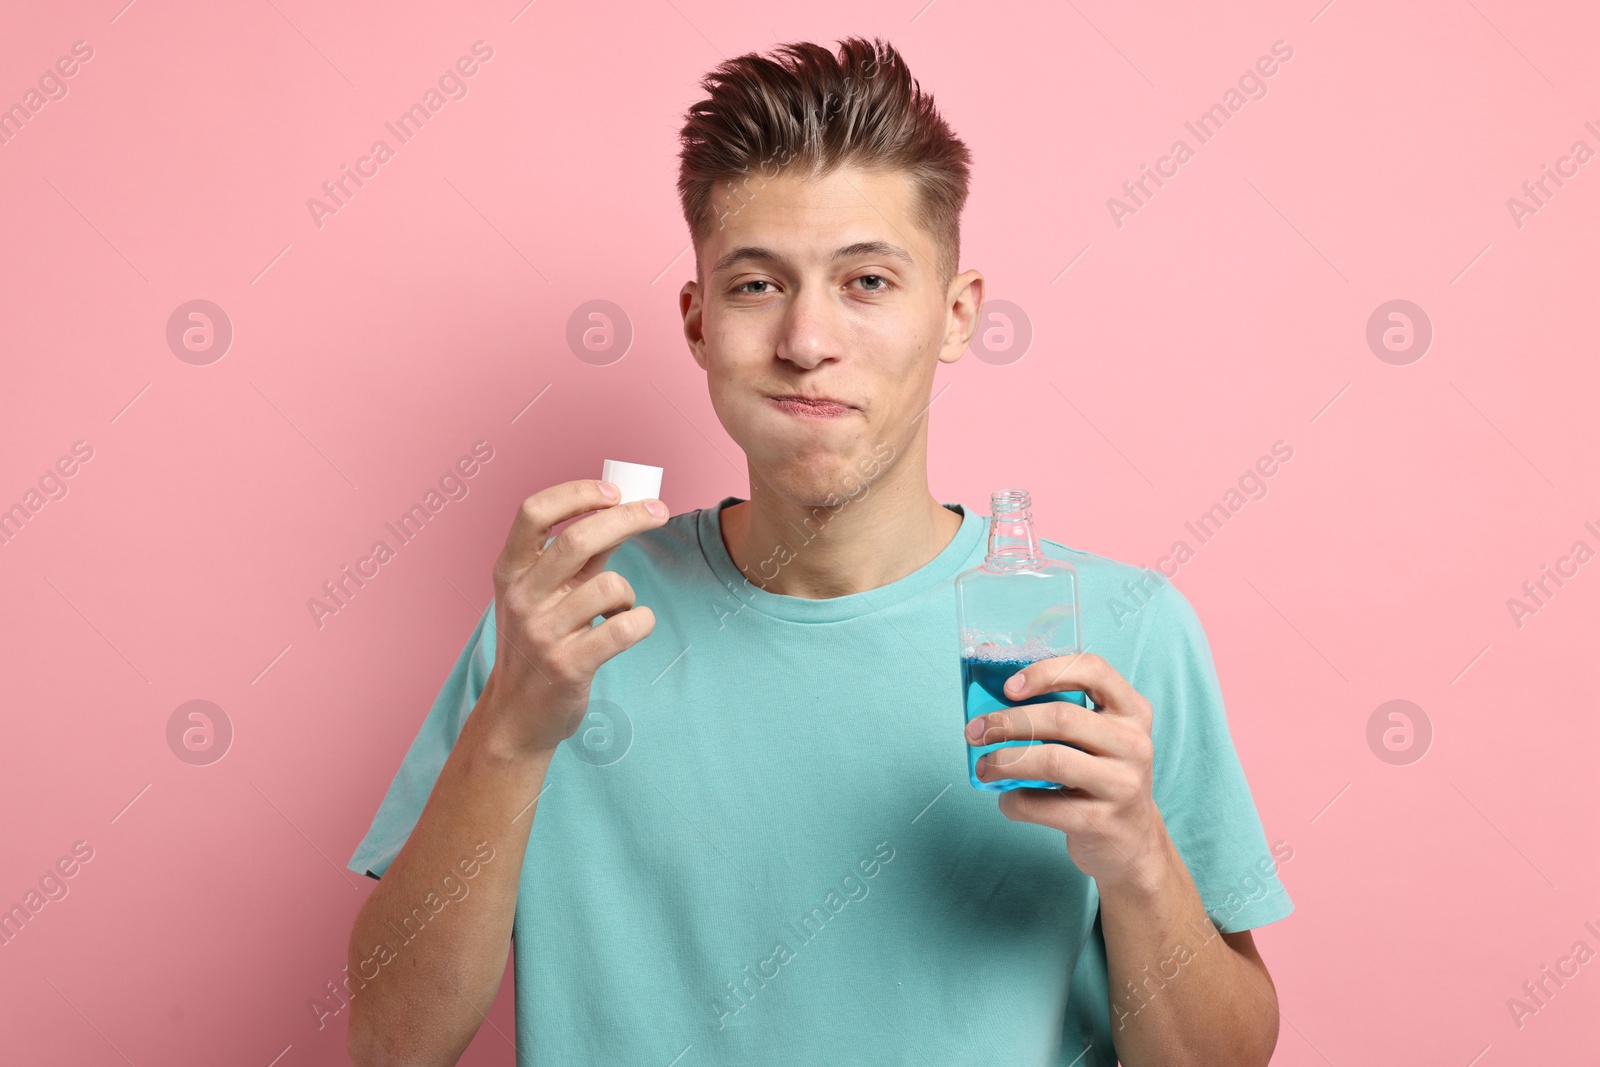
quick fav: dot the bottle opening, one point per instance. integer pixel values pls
(1012, 542)
(1010, 503)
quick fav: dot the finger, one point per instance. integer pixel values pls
(1062, 810)
(590, 538)
(607, 593)
(1052, 720)
(1078, 671)
(545, 510)
(591, 648)
(1048, 762)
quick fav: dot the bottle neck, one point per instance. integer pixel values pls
(1012, 543)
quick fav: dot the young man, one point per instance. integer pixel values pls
(715, 796)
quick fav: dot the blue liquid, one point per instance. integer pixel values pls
(983, 683)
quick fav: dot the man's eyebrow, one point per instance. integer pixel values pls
(860, 248)
(739, 255)
(875, 248)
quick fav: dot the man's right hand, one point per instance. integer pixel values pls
(546, 597)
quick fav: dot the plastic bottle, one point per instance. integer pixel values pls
(1015, 608)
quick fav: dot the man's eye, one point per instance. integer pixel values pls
(874, 278)
(741, 288)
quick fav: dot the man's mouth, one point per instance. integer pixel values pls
(811, 407)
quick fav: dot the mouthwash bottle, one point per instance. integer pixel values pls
(1013, 609)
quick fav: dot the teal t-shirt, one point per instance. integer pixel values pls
(761, 846)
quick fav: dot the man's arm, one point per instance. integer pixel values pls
(1198, 999)
(1181, 994)
(417, 988)
(420, 1001)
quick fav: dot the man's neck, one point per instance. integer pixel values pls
(816, 552)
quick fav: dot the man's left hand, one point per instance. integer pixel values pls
(1115, 833)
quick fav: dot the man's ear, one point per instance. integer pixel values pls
(693, 325)
(964, 298)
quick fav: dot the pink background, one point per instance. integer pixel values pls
(368, 354)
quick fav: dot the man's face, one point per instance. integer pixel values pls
(823, 287)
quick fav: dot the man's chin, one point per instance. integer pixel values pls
(810, 485)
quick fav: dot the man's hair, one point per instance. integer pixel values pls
(802, 109)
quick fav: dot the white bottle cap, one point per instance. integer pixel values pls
(638, 481)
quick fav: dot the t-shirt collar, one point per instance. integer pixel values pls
(964, 550)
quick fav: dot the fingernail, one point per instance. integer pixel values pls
(975, 728)
(1015, 683)
(609, 491)
(655, 507)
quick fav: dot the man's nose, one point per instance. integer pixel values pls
(812, 328)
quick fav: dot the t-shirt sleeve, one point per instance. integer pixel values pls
(413, 782)
(1199, 785)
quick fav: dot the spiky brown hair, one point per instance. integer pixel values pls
(802, 108)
